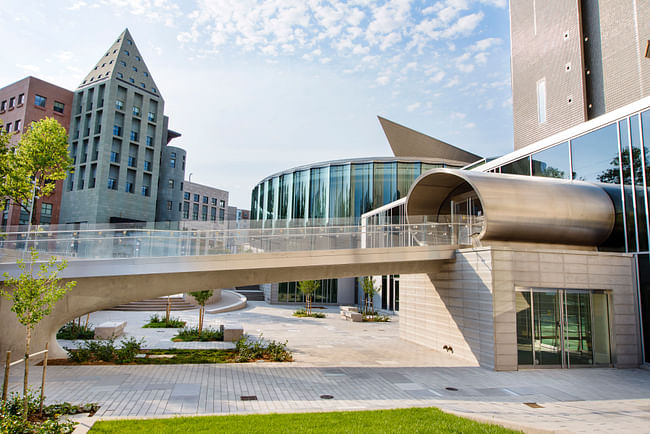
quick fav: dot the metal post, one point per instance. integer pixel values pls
(40, 408)
(5, 385)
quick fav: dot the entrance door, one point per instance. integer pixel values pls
(562, 328)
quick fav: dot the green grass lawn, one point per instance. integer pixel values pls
(188, 356)
(410, 420)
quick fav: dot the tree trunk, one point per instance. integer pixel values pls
(201, 320)
(169, 308)
(26, 378)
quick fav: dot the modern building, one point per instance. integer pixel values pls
(118, 133)
(573, 61)
(169, 205)
(204, 207)
(22, 103)
(338, 193)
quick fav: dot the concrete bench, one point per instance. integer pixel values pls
(349, 309)
(352, 316)
(110, 329)
(232, 332)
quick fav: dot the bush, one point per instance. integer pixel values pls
(191, 334)
(156, 321)
(75, 331)
(255, 349)
(302, 313)
(105, 351)
(376, 318)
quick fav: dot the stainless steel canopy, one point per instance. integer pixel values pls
(520, 208)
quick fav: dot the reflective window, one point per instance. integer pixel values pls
(300, 194)
(519, 167)
(406, 174)
(615, 174)
(361, 180)
(271, 194)
(385, 183)
(595, 156)
(318, 189)
(254, 203)
(639, 191)
(552, 162)
(339, 199)
(284, 197)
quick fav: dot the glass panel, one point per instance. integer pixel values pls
(385, 183)
(601, 348)
(270, 200)
(519, 167)
(361, 189)
(637, 168)
(254, 203)
(284, 197)
(548, 341)
(577, 329)
(552, 162)
(524, 329)
(644, 292)
(261, 215)
(406, 174)
(595, 156)
(300, 194)
(626, 173)
(427, 166)
(318, 189)
(339, 194)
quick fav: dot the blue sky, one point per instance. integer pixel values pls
(259, 86)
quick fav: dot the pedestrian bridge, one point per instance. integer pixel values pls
(116, 266)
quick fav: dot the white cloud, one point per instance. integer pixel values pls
(437, 77)
(28, 68)
(453, 82)
(470, 125)
(457, 115)
(382, 80)
(77, 5)
(413, 107)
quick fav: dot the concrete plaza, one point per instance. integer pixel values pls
(363, 366)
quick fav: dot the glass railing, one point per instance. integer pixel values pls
(127, 241)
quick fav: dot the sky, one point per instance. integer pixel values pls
(260, 86)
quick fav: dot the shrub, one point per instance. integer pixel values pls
(191, 334)
(75, 331)
(254, 349)
(302, 313)
(156, 321)
(105, 351)
(376, 318)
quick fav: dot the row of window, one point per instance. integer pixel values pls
(45, 218)
(197, 198)
(15, 125)
(119, 105)
(12, 102)
(204, 212)
(39, 101)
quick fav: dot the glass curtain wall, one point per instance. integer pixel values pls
(406, 174)
(319, 193)
(361, 189)
(284, 196)
(384, 183)
(300, 204)
(339, 191)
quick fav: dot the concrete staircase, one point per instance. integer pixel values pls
(155, 304)
(251, 292)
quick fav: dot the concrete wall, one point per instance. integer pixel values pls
(470, 304)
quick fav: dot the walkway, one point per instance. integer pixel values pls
(364, 366)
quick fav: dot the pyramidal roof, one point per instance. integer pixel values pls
(406, 142)
(124, 62)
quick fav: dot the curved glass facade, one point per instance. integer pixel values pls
(327, 192)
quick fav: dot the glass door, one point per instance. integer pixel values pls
(562, 328)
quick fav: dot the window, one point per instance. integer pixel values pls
(213, 214)
(146, 74)
(204, 213)
(145, 190)
(170, 204)
(131, 80)
(127, 52)
(46, 209)
(59, 107)
(142, 85)
(129, 187)
(222, 213)
(151, 117)
(21, 100)
(39, 101)
(112, 184)
(132, 161)
(147, 166)
(170, 183)
(222, 203)
(186, 195)
(119, 104)
(195, 211)
(3, 106)
(138, 58)
(205, 199)
(136, 111)
(541, 101)
(122, 62)
(172, 162)
(12, 102)
(186, 210)
(9, 126)
(135, 69)
(130, 42)
(214, 201)
(134, 136)
(115, 157)
(149, 141)
(17, 125)
(117, 130)
(196, 197)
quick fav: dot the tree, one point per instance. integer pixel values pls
(201, 297)
(33, 297)
(369, 292)
(6, 157)
(613, 174)
(40, 159)
(308, 287)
